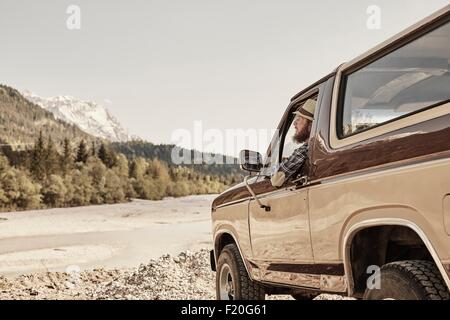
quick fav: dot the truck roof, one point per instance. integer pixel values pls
(391, 43)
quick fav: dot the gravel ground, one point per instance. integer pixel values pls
(186, 276)
(110, 236)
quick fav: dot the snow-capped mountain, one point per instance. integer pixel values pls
(89, 116)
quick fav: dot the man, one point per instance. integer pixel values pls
(291, 166)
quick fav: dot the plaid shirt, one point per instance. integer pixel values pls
(292, 165)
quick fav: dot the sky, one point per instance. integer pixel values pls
(165, 67)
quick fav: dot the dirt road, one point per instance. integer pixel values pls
(110, 236)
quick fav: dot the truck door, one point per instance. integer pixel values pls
(282, 235)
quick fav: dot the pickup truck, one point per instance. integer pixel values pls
(368, 213)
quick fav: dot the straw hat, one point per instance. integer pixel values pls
(307, 110)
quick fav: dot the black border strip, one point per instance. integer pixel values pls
(316, 269)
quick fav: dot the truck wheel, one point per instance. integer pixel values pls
(409, 280)
(232, 280)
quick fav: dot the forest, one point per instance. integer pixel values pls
(46, 163)
(63, 175)
(148, 150)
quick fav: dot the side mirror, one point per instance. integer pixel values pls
(250, 161)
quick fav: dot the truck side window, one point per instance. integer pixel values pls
(283, 143)
(271, 164)
(289, 144)
(405, 81)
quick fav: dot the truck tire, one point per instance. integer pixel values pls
(409, 280)
(232, 280)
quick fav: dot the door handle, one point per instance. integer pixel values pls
(300, 182)
(262, 206)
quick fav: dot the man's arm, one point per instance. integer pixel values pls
(290, 166)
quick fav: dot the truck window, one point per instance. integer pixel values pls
(283, 143)
(408, 80)
(289, 144)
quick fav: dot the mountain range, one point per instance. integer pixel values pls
(91, 117)
(21, 121)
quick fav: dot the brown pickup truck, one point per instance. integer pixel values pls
(368, 213)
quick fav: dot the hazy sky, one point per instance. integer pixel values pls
(161, 65)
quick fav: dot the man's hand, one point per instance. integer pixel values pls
(289, 167)
(278, 179)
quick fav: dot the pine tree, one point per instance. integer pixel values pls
(66, 159)
(37, 161)
(82, 153)
(103, 154)
(51, 158)
(93, 148)
(108, 157)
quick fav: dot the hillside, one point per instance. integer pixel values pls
(147, 150)
(21, 121)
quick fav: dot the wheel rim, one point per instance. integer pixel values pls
(226, 283)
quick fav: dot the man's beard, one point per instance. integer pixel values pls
(303, 135)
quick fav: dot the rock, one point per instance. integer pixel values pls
(33, 292)
(183, 277)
